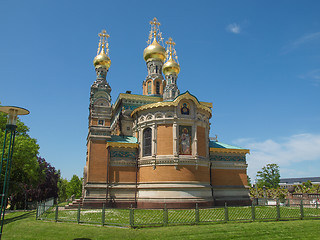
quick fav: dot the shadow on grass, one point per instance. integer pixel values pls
(17, 218)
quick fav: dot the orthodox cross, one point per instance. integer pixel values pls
(103, 41)
(155, 31)
(170, 45)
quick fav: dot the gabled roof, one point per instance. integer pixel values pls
(204, 106)
(123, 142)
(123, 139)
(223, 147)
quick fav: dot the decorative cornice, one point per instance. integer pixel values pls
(228, 150)
(175, 102)
(122, 145)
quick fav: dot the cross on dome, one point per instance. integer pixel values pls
(103, 42)
(155, 31)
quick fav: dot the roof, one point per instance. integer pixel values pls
(299, 180)
(123, 139)
(206, 106)
(222, 147)
(214, 144)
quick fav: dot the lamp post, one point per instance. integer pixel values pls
(7, 153)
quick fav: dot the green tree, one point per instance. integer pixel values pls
(62, 186)
(74, 187)
(25, 168)
(249, 180)
(269, 176)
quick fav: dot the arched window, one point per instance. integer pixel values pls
(147, 142)
(149, 87)
(157, 88)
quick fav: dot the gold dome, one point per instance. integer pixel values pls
(154, 52)
(170, 67)
(102, 59)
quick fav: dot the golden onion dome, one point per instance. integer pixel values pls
(154, 52)
(102, 59)
(170, 67)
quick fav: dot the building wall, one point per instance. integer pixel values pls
(202, 141)
(164, 140)
(229, 177)
(170, 173)
(122, 174)
(97, 165)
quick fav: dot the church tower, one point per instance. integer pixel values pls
(171, 70)
(100, 98)
(154, 55)
(99, 117)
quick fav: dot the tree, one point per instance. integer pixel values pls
(74, 187)
(249, 180)
(25, 168)
(269, 176)
(62, 186)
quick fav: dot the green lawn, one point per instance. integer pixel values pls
(23, 225)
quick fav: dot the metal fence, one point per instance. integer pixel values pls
(162, 217)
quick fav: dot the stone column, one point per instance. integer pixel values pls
(140, 132)
(154, 140)
(195, 142)
(175, 139)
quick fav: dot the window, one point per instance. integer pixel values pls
(149, 87)
(100, 122)
(157, 88)
(147, 142)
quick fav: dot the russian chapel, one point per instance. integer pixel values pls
(154, 149)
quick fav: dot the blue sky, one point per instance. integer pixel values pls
(256, 61)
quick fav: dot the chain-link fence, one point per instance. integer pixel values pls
(132, 217)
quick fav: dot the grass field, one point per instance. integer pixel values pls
(22, 225)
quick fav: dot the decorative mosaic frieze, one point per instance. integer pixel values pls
(123, 154)
(130, 107)
(228, 158)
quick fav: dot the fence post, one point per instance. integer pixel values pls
(78, 215)
(253, 211)
(131, 216)
(278, 210)
(226, 214)
(317, 204)
(288, 202)
(37, 211)
(56, 215)
(165, 215)
(103, 214)
(197, 214)
(301, 209)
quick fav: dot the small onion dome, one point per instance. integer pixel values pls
(170, 67)
(102, 59)
(154, 52)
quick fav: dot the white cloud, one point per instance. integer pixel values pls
(308, 38)
(313, 76)
(286, 152)
(234, 28)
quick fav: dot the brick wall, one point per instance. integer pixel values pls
(97, 165)
(169, 173)
(202, 145)
(229, 177)
(164, 140)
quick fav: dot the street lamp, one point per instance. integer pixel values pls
(7, 153)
